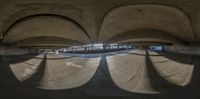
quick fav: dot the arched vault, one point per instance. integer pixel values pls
(45, 41)
(146, 35)
(173, 23)
(51, 27)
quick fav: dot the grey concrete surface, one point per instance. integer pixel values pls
(192, 49)
(136, 74)
(99, 20)
(133, 70)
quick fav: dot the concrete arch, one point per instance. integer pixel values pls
(45, 41)
(45, 25)
(146, 35)
(148, 17)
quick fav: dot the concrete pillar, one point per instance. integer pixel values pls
(72, 49)
(117, 46)
(142, 47)
(104, 46)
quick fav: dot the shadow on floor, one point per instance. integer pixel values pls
(157, 81)
(190, 91)
(182, 58)
(34, 80)
(187, 59)
(195, 81)
(100, 86)
(8, 82)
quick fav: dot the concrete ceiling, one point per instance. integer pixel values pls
(134, 17)
(146, 35)
(45, 41)
(99, 20)
(45, 25)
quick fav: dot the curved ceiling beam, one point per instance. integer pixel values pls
(45, 41)
(146, 35)
(146, 16)
(45, 25)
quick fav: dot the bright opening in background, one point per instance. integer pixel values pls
(156, 48)
(98, 46)
(87, 49)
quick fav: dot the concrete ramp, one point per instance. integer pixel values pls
(130, 71)
(134, 74)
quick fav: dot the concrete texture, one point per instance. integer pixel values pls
(192, 49)
(45, 26)
(100, 20)
(12, 51)
(145, 36)
(136, 74)
(133, 71)
(143, 17)
(61, 72)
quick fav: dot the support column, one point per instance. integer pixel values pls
(104, 46)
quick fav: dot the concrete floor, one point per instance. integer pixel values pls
(136, 74)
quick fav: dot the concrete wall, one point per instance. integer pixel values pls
(12, 51)
(193, 50)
